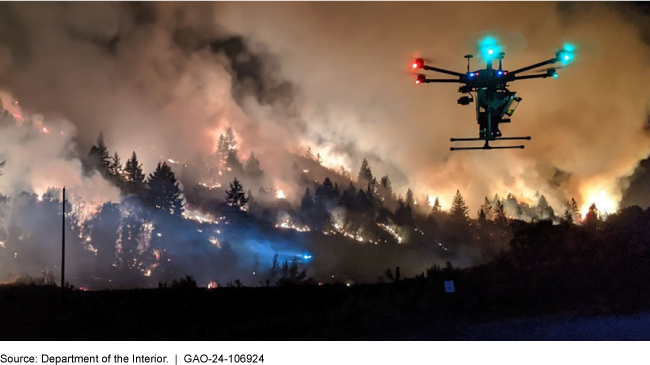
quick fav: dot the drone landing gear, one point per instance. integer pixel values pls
(487, 146)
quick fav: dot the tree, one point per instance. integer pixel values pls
(459, 208)
(133, 176)
(436, 208)
(575, 210)
(591, 219)
(99, 155)
(115, 167)
(542, 208)
(487, 209)
(500, 216)
(307, 204)
(253, 166)
(309, 155)
(235, 196)
(481, 216)
(409, 197)
(386, 183)
(232, 161)
(222, 151)
(231, 142)
(365, 174)
(164, 192)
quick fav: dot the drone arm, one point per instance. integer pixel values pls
(440, 80)
(538, 76)
(540, 64)
(442, 70)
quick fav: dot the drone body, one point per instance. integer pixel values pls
(488, 87)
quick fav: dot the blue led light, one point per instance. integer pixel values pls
(306, 257)
(489, 47)
(567, 54)
(499, 73)
(472, 74)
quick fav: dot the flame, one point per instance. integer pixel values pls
(213, 285)
(604, 202)
(280, 194)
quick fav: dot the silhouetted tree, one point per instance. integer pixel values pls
(164, 192)
(309, 155)
(232, 161)
(409, 197)
(436, 208)
(235, 196)
(253, 166)
(500, 217)
(99, 155)
(459, 208)
(133, 176)
(543, 208)
(115, 166)
(365, 174)
(591, 219)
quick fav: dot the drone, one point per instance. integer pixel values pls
(488, 87)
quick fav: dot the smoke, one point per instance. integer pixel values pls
(349, 61)
(166, 79)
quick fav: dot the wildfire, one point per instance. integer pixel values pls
(210, 186)
(213, 285)
(605, 203)
(215, 241)
(287, 223)
(392, 231)
(197, 216)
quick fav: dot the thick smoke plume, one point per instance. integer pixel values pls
(350, 61)
(167, 79)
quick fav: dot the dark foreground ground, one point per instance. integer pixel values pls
(416, 309)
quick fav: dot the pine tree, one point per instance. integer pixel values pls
(231, 142)
(409, 197)
(235, 196)
(386, 183)
(307, 203)
(115, 167)
(575, 210)
(591, 219)
(232, 161)
(436, 208)
(164, 192)
(133, 176)
(481, 216)
(319, 159)
(309, 155)
(365, 174)
(542, 207)
(222, 152)
(99, 155)
(500, 216)
(487, 209)
(459, 208)
(253, 166)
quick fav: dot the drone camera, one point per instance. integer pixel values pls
(464, 100)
